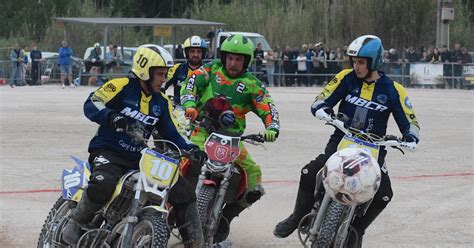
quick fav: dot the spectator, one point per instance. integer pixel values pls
(430, 52)
(465, 57)
(309, 63)
(16, 57)
(394, 60)
(412, 56)
(65, 63)
(113, 58)
(424, 57)
(24, 65)
(288, 66)
(278, 69)
(179, 53)
(339, 58)
(456, 54)
(36, 57)
(436, 56)
(211, 34)
(301, 69)
(318, 62)
(392, 55)
(270, 67)
(456, 59)
(95, 59)
(258, 57)
(445, 54)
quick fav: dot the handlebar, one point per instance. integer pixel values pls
(258, 138)
(387, 140)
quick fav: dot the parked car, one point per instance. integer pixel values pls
(127, 58)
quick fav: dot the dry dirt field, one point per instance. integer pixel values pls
(433, 204)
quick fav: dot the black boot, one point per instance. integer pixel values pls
(303, 205)
(229, 212)
(80, 216)
(194, 236)
(360, 224)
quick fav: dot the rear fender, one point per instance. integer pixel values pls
(75, 180)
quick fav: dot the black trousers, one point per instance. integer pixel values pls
(109, 166)
(381, 198)
(34, 74)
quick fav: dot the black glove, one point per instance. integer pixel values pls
(162, 90)
(409, 138)
(227, 119)
(118, 122)
(198, 155)
(329, 111)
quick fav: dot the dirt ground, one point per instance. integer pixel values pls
(433, 204)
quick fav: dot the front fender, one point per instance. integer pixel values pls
(155, 209)
(209, 182)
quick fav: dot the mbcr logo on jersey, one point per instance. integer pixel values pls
(137, 115)
(365, 103)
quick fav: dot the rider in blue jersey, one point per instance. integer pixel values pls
(195, 49)
(133, 101)
(368, 97)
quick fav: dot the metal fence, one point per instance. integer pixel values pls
(282, 74)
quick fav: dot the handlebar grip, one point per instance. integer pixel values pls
(410, 146)
(255, 137)
(322, 115)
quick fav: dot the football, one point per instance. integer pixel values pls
(351, 176)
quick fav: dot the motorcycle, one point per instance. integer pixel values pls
(220, 180)
(137, 213)
(329, 222)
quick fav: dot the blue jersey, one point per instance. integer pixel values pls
(176, 77)
(125, 96)
(368, 105)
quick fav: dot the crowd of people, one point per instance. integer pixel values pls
(27, 66)
(305, 65)
(310, 65)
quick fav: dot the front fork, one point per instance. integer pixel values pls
(132, 218)
(215, 215)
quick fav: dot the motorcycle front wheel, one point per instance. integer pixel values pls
(329, 226)
(205, 201)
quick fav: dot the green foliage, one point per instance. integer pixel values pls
(284, 22)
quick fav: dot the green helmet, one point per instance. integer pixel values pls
(238, 44)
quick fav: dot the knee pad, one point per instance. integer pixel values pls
(309, 172)
(254, 195)
(382, 198)
(101, 187)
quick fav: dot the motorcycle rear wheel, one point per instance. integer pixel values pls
(50, 235)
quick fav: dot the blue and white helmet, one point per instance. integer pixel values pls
(195, 42)
(367, 46)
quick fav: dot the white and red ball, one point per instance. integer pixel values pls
(352, 176)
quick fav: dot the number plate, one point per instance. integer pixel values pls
(221, 148)
(358, 143)
(158, 168)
